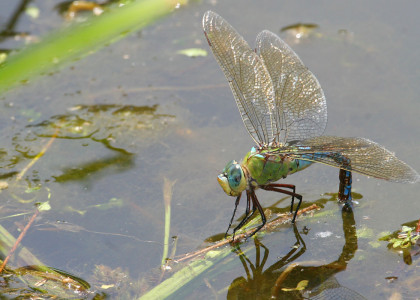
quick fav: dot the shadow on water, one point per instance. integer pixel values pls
(290, 279)
(108, 124)
(119, 129)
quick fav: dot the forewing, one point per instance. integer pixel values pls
(300, 106)
(354, 154)
(247, 76)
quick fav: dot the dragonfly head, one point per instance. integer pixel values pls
(232, 179)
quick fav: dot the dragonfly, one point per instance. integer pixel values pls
(284, 109)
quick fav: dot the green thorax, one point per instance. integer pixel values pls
(265, 167)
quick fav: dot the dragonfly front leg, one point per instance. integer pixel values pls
(275, 188)
(247, 212)
(238, 199)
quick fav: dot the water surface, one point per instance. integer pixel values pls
(137, 112)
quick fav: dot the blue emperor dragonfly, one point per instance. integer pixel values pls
(284, 109)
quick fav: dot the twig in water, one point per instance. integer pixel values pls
(19, 239)
(269, 226)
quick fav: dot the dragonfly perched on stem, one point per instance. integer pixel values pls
(284, 110)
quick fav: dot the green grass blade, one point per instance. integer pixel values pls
(78, 40)
(167, 197)
(187, 274)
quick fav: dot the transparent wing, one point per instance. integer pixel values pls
(353, 154)
(300, 106)
(247, 76)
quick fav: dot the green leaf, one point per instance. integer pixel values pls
(32, 11)
(300, 286)
(193, 52)
(406, 229)
(44, 206)
(364, 232)
(396, 244)
(80, 39)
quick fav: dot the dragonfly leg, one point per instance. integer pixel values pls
(248, 215)
(288, 186)
(256, 204)
(274, 188)
(234, 212)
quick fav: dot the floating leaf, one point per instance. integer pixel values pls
(193, 52)
(32, 11)
(45, 206)
(385, 235)
(107, 286)
(406, 229)
(397, 243)
(364, 232)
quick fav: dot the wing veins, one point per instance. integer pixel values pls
(353, 154)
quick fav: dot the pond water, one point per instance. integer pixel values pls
(137, 113)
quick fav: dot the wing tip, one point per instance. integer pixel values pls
(208, 18)
(415, 178)
(208, 13)
(411, 176)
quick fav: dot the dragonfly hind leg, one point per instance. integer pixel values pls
(277, 187)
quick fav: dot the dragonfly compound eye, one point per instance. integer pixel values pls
(234, 176)
(232, 179)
